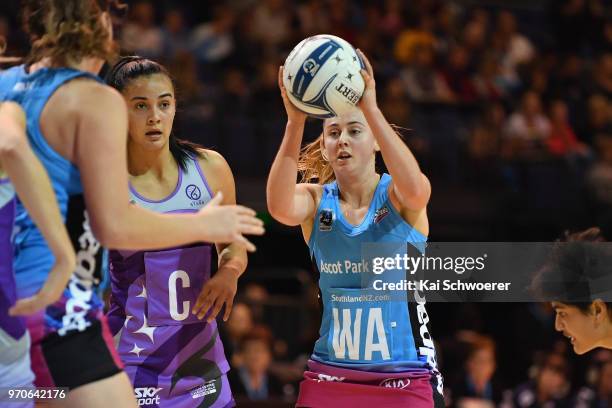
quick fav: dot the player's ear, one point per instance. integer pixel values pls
(599, 309)
(322, 147)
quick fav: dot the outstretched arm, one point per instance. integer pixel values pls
(288, 202)
(101, 126)
(410, 185)
(33, 187)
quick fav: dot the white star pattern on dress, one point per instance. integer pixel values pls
(146, 329)
(143, 294)
(127, 319)
(136, 350)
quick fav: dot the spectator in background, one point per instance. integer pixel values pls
(422, 81)
(484, 143)
(445, 27)
(345, 19)
(487, 82)
(175, 35)
(599, 119)
(475, 386)
(256, 295)
(140, 35)
(567, 82)
(212, 43)
(457, 75)
(411, 40)
(514, 48)
(395, 104)
(312, 18)
(252, 379)
(563, 140)
(238, 325)
(599, 178)
(527, 129)
(271, 26)
(474, 38)
(549, 388)
(391, 22)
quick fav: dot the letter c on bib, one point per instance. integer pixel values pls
(172, 298)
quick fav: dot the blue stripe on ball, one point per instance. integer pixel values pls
(314, 62)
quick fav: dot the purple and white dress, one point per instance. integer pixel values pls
(172, 358)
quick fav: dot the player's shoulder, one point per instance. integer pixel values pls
(85, 94)
(212, 161)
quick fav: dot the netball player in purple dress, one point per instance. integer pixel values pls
(173, 358)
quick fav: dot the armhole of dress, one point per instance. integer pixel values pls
(314, 230)
(40, 139)
(196, 163)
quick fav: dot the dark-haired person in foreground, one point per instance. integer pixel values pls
(576, 278)
(161, 342)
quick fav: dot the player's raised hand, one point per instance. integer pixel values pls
(293, 113)
(229, 223)
(368, 99)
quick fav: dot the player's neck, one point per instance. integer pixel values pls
(92, 65)
(146, 162)
(357, 192)
(607, 340)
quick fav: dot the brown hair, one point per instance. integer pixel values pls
(66, 31)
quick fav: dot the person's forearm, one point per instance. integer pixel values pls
(283, 174)
(136, 228)
(33, 187)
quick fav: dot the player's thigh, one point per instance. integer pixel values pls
(115, 391)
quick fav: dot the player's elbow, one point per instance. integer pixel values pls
(12, 144)
(109, 233)
(415, 196)
(280, 212)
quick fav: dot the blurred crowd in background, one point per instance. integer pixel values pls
(507, 108)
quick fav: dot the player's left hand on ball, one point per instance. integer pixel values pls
(218, 291)
(368, 99)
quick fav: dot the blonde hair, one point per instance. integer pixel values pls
(313, 166)
(66, 31)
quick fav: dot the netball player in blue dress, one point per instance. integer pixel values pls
(77, 127)
(20, 170)
(374, 347)
(163, 345)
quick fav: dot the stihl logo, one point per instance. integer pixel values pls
(147, 396)
(401, 383)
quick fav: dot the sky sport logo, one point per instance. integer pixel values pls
(147, 396)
